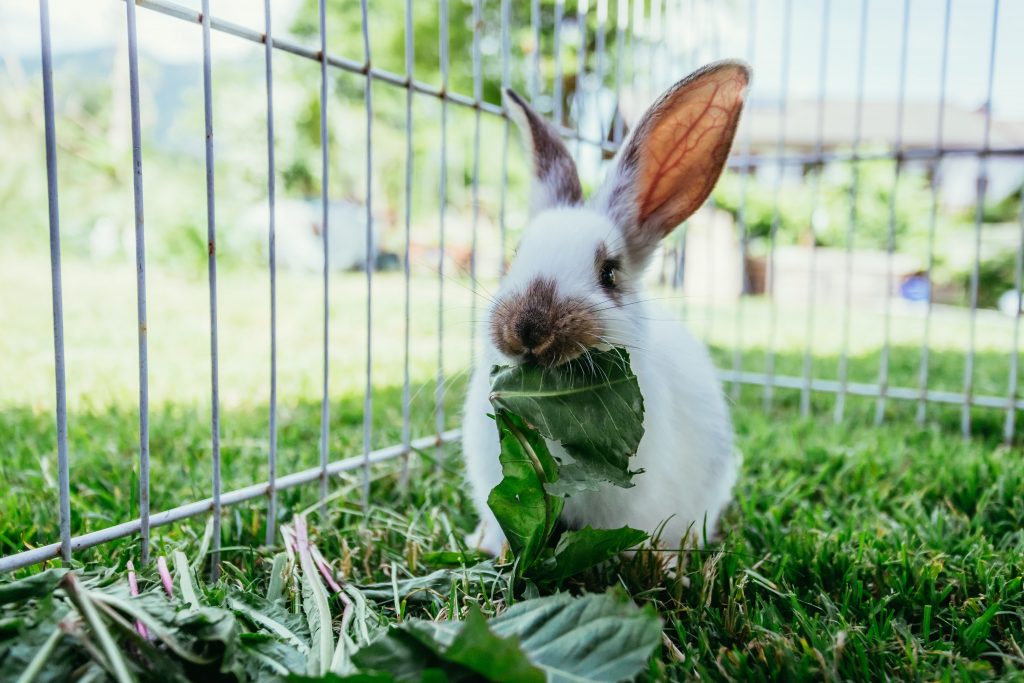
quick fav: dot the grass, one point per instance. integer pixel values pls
(851, 552)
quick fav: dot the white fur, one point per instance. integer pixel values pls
(686, 451)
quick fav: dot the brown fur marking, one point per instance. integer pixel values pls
(539, 326)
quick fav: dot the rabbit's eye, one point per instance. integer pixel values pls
(609, 272)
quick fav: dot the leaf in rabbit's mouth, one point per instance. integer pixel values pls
(593, 407)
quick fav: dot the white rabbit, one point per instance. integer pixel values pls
(575, 284)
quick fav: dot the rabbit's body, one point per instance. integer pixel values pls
(576, 283)
(686, 451)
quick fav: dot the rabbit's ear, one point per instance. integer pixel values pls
(555, 182)
(674, 155)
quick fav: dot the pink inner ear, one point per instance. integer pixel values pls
(686, 148)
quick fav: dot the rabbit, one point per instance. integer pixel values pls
(574, 284)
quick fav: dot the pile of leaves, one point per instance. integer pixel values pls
(309, 624)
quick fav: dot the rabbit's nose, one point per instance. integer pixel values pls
(534, 331)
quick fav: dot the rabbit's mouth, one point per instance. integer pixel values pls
(537, 326)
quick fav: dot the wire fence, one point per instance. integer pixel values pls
(648, 57)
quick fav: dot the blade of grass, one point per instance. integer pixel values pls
(80, 597)
(204, 545)
(165, 576)
(154, 626)
(41, 657)
(316, 606)
(133, 589)
(188, 590)
(276, 588)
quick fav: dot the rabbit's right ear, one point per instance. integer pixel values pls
(555, 182)
(672, 159)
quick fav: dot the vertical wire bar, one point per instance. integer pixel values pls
(741, 216)
(638, 28)
(979, 216)
(602, 19)
(621, 22)
(370, 251)
(581, 70)
(211, 248)
(657, 47)
(442, 210)
(844, 354)
(559, 113)
(63, 475)
(1011, 394)
(922, 380)
(325, 409)
(780, 147)
(535, 84)
(819, 148)
(268, 44)
(478, 93)
(506, 47)
(140, 281)
(406, 268)
(883, 366)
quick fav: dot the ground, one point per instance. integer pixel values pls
(851, 551)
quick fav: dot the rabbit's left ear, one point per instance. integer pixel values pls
(555, 182)
(672, 159)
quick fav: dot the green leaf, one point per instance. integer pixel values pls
(460, 650)
(35, 586)
(526, 513)
(215, 633)
(592, 406)
(270, 617)
(602, 637)
(478, 649)
(580, 550)
(353, 678)
(596, 637)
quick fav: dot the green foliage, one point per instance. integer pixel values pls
(236, 634)
(852, 552)
(526, 512)
(580, 550)
(598, 637)
(592, 406)
(823, 200)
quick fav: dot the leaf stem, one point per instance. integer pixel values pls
(537, 467)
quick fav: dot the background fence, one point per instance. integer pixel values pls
(870, 223)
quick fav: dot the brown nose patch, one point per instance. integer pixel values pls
(539, 326)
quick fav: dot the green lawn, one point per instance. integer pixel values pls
(851, 552)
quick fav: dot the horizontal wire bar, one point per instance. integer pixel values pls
(307, 476)
(902, 155)
(872, 390)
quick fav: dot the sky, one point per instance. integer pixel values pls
(970, 42)
(85, 24)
